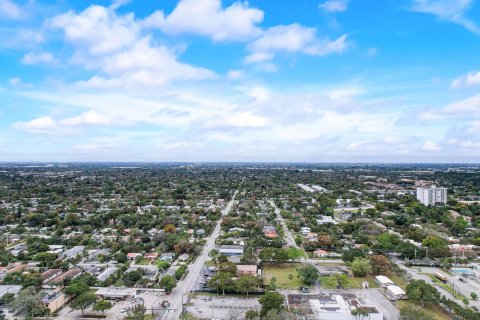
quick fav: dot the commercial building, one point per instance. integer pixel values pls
(231, 251)
(116, 293)
(330, 307)
(54, 301)
(431, 196)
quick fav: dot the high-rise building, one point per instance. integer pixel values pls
(431, 196)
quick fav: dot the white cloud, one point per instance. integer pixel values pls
(293, 38)
(98, 30)
(114, 45)
(448, 10)
(48, 125)
(10, 10)
(431, 146)
(144, 65)
(334, 5)
(38, 125)
(469, 80)
(38, 58)
(466, 108)
(87, 118)
(237, 22)
(235, 74)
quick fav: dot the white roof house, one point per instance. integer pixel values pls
(383, 281)
(326, 219)
(395, 293)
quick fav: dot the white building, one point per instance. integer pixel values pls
(431, 196)
(383, 281)
(394, 292)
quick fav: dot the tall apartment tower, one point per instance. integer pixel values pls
(431, 196)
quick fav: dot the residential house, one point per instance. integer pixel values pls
(247, 270)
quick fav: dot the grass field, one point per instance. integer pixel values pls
(281, 273)
(353, 282)
(434, 311)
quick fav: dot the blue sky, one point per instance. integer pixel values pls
(264, 80)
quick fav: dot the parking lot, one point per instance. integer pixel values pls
(201, 284)
(212, 307)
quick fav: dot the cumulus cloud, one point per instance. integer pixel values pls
(97, 30)
(144, 65)
(237, 22)
(114, 45)
(293, 38)
(334, 5)
(10, 10)
(448, 10)
(466, 108)
(48, 125)
(469, 80)
(39, 58)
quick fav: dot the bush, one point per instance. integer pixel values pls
(180, 272)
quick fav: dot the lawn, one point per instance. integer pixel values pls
(433, 311)
(353, 282)
(281, 272)
(398, 281)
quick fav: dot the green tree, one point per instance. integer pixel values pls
(229, 267)
(266, 255)
(102, 306)
(474, 296)
(421, 292)
(252, 315)
(32, 280)
(308, 274)
(433, 242)
(246, 284)
(361, 267)
(223, 281)
(28, 302)
(168, 283)
(83, 301)
(9, 297)
(294, 253)
(45, 258)
(342, 280)
(76, 289)
(130, 278)
(360, 313)
(350, 254)
(270, 301)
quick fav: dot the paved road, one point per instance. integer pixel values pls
(465, 288)
(418, 276)
(186, 285)
(290, 240)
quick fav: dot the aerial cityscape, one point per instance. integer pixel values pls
(240, 160)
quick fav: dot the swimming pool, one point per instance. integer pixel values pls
(459, 271)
